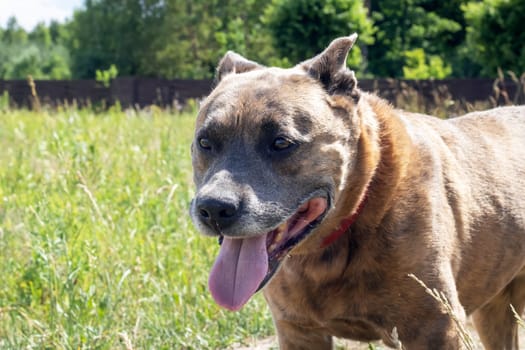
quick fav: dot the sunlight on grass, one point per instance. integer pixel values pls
(96, 246)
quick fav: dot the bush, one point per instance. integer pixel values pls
(495, 34)
(303, 28)
(421, 66)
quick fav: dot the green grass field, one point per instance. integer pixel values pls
(97, 250)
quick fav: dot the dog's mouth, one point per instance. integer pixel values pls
(244, 266)
(284, 238)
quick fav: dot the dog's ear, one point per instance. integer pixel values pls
(329, 67)
(234, 63)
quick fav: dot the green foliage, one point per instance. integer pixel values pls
(436, 27)
(303, 28)
(13, 32)
(37, 53)
(106, 76)
(495, 35)
(20, 61)
(109, 32)
(186, 39)
(188, 49)
(97, 248)
(420, 66)
(196, 34)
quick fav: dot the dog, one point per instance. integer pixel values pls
(328, 200)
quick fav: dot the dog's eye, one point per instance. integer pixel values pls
(281, 143)
(204, 143)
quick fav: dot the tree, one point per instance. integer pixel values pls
(196, 34)
(303, 28)
(420, 66)
(13, 33)
(186, 44)
(495, 35)
(41, 35)
(168, 38)
(118, 32)
(436, 27)
(245, 32)
(34, 53)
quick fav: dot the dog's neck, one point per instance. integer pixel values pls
(391, 169)
(383, 158)
(381, 166)
(345, 224)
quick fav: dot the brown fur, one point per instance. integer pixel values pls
(444, 201)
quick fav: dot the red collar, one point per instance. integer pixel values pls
(345, 224)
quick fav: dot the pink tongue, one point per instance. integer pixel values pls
(238, 271)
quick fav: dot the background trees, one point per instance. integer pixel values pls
(496, 35)
(40, 53)
(194, 35)
(176, 38)
(117, 32)
(418, 38)
(303, 28)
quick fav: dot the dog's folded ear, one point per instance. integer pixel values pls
(329, 67)
(234, 63)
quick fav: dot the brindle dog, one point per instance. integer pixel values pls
(328, 198)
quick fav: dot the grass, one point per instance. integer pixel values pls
(96, 247)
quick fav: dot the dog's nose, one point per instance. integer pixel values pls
(218, 213)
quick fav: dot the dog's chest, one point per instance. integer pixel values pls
(339, 307)
(334, 315)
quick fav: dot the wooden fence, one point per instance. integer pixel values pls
(141, 92)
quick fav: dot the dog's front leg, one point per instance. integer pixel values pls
(294, 337)
(432, 333)
(433, 326)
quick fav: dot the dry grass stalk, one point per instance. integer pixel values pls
(502, 95)
(35, 100)
(442, 299)
(125, 339)
(394, 337)
(83, 185)
(518, 318)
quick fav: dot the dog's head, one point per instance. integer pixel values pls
(272, 151)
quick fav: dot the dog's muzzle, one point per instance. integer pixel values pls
(217, 213)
